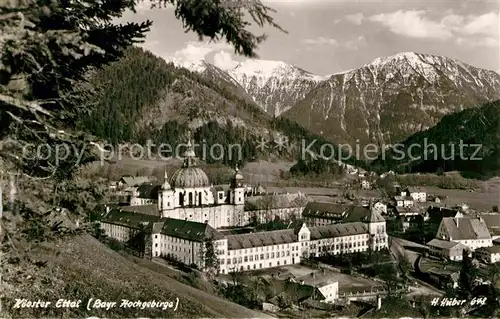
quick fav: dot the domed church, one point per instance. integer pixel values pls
(189, 195)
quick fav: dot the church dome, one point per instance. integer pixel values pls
(187, 177)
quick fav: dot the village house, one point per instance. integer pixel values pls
(416, 193)
(365, 184)
(447, 249)
(328, 287)
(380, 207)
(472, 232)
(404, 201)
(489, 255)
(437, 213)
(132, 181)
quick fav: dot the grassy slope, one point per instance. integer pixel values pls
(83, 268)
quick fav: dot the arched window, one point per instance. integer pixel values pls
(190, 199)
(199, 199)
(181, 199)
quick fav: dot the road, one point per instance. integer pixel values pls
(423, 288)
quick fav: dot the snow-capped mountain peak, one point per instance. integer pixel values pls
(198, 66)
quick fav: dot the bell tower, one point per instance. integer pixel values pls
(165, 196)
(237, 188)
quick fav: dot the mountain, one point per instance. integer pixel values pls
(438, 148)
(274, 85)
(389, 99)
(142, 97)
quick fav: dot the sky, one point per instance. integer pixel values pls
(330, 36)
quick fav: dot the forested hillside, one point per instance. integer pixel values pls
(478, 130)
(142, 97)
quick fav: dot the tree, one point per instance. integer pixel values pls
(468, 273)
(49, 49)
(137, 239)
(388, 273)
(208, 256)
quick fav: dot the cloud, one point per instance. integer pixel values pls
(196, 51)
(473, 30)
(321, 41)
(355, 18)
(412, 24)
(224, 60)
(479, 42)
(355, 44)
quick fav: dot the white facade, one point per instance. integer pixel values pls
(380, 207)
(404, 201)
(330, 292)
(137, 201)
(365, 185)
(419, 196)
(118, 232)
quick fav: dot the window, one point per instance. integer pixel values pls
(156, 236)
(246, 259)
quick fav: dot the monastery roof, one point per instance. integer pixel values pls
(325, 209)
(338, 230)
(130, 219)
(261, 239)
(363, 214)
(466, 228)
(445, 244)
(151, 210)
(188, 230)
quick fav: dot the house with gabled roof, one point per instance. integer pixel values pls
(133, 181)
(145, 194)
(447, 249)
(472, 232)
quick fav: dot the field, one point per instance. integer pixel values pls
(479, 200)
(83, 268)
